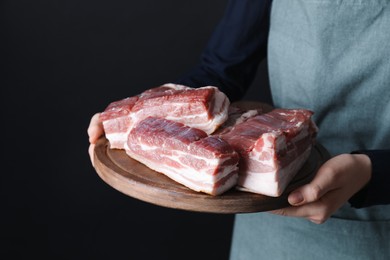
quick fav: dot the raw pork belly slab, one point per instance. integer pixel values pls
(187, 155)
(117, 121)
(273, 147)
(205, 108)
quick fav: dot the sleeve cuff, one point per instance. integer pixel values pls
(375, 192)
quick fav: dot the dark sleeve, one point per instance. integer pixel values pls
(377, 191)
(235, 49)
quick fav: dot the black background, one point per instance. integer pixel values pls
(62, 61)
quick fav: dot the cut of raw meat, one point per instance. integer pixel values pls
(205, 108)
(196, 138)
(117, 121)
(185, 154)
(273, 147)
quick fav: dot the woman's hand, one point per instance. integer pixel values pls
(95, 130)
(334, 184)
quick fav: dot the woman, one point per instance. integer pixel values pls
(332, 57)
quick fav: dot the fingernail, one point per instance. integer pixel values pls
(295, 198)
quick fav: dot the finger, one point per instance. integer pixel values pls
(307, 211)
(322, 183)
(314, 212)
(91, 149)
(317, 212)
(95, 129)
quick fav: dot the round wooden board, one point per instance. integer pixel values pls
(138, 181)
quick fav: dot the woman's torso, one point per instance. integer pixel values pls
(333, 57)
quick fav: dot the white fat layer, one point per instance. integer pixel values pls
(190, 173)
(265, 188)
(231, 182)
(186, 177)
(117, 140)
(272, 183)
(209, 126)
(186, 117)
(220, 112)
(175, 86)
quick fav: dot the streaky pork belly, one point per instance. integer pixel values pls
(273, 147)
(205, 108)
(185, 154)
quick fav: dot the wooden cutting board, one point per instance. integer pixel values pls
(136, 180)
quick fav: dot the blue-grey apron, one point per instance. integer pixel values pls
(333, 57)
